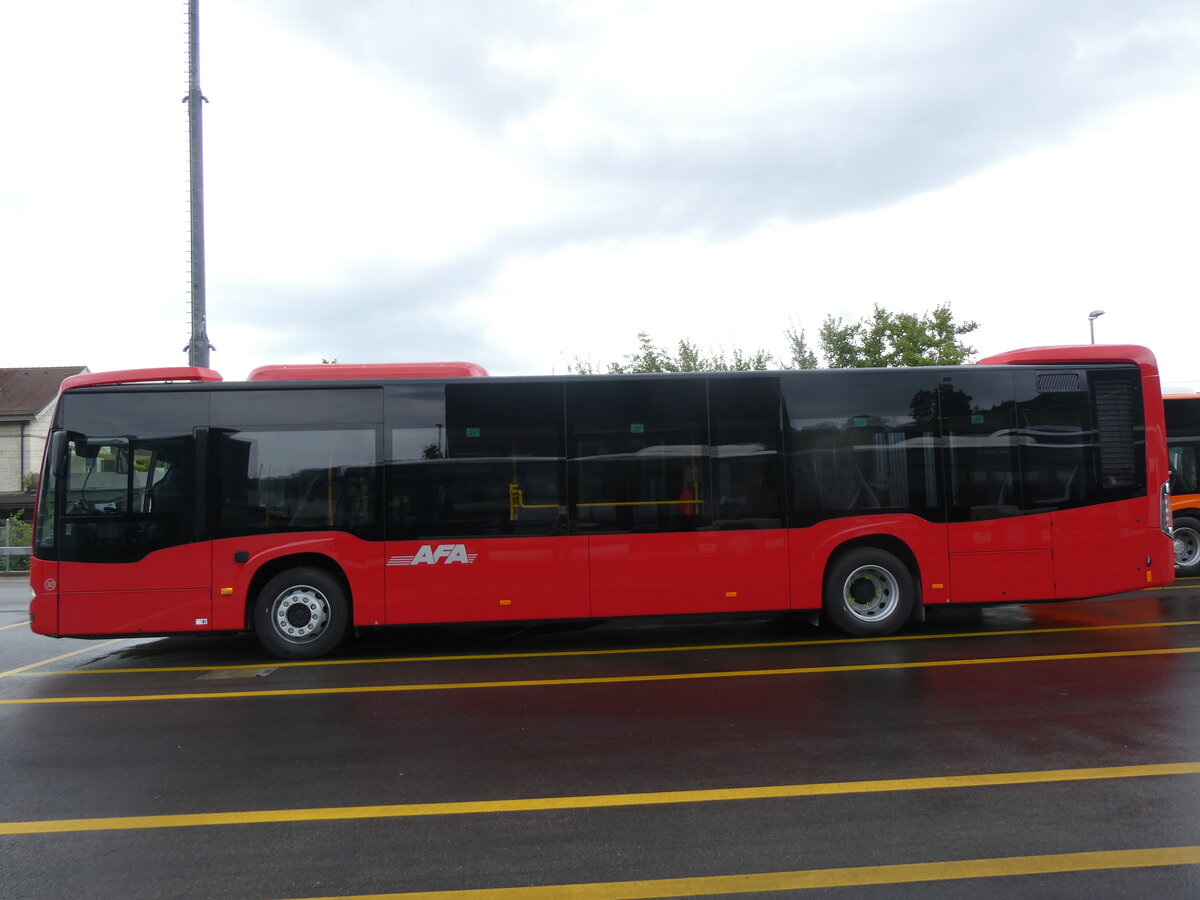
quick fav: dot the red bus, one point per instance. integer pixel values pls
(1183, 446)
(303, 505)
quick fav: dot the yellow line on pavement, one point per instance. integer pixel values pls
(604, 679)
(819, 878)
(45, 662)
(621, 651)
(544, 804)
(14, 625)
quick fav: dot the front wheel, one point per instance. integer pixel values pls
(301, 613)
(1186, 534)
(869, 592)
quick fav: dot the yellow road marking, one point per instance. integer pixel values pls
(544, 804)
(623, 651)
(13, 625)
(604, 679)
(819, 878)
(45, 662)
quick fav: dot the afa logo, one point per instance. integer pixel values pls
(430, 555)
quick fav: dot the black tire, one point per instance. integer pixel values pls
(301, 613)
(1187, 545)
(868, 592)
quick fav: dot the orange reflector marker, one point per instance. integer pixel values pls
(506, 603)
(226, 592)
(729, 595)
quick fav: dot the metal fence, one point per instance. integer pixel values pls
(14, 546)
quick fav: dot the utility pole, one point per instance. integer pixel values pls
(198, 346)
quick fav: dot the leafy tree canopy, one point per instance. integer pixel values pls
(881, 339)
(896, 339)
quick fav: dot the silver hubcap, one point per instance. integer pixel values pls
(1187, 547)
(300, 613)
(871, 593)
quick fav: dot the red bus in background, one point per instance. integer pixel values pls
(1183, 447)
(312, 501)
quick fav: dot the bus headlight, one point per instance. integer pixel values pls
(1164, 513)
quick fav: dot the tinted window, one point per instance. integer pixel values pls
(1183, 441)
(861, 441)
(1055, 439)
(979, 421)
(146, 414)
(639, 454)
(125, 484)
(747, 453)
(475, 459)
(296, 479)
(1081, 437)
(296, 460)
(294, 407)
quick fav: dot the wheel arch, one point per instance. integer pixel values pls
(273, 567)
(892, 545)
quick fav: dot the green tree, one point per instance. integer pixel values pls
(881, 339)
(802, 356)
(758, 361)
(896, 339)
(652, 358)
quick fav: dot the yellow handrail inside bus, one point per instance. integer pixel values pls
(516, 501)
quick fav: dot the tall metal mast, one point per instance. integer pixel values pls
(198, 346)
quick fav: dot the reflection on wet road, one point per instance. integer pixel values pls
(1050, 749)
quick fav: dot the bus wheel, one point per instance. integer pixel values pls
(868, 592)
(1187, 545)
(301, 613)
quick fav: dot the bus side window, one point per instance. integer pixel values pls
(639, 455)
(474, 459)
(862, 440)
(747, 454)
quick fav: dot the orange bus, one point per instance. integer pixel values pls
(1183, 447)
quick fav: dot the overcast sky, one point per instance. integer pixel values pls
(524, 183)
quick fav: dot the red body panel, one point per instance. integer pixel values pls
(134, 612)
(1110, 549)
(1002, 576)
(458, 580)
(689, 572)
(166, 591)
(1001, 560)
(43, 609)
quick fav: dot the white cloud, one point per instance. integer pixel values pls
(543, 182)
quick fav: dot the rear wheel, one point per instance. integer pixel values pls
(869, 592)
(301, 613)
(1187, 545)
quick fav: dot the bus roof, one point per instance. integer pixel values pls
(139, 376)
(365, 371)
(1080, 353)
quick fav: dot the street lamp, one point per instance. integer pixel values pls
(1092, 317)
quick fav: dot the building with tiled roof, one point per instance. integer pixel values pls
(26, 405)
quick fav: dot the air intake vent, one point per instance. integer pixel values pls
(1058, 382)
